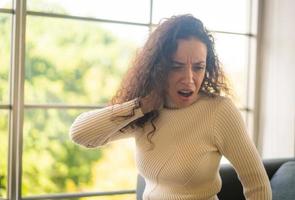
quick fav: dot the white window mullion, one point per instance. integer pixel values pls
(17, 100)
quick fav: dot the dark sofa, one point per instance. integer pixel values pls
(281, 173)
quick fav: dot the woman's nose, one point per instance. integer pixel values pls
(188, 75)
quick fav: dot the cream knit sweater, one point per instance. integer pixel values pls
(189, 143)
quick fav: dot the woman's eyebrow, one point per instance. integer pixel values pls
(181, 63)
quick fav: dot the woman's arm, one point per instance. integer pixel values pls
(98, 127)
(234, 143)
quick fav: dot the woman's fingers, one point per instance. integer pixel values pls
(150, 102)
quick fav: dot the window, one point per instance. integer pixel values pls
(5, 49)
(75, 55)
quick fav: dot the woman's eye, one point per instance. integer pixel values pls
(199, 68)
(176, 67)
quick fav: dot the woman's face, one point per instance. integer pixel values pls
(186, 73)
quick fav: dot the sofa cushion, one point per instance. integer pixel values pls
(283, 182)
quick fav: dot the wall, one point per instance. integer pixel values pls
(277, 79)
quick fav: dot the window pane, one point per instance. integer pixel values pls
(5, 40)
(66, 167)
(77, 62)
(112, 197)
(233, 54)
(250, 124)
(3, 151)
(249, 119)
(252, 73)
(226, 15)
(127, 10)
(5, 3)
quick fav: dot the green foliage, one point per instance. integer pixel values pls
(82, 62)
(3, 152)
(5, 28)
(67, 62)
(5, 25)
(59, 160)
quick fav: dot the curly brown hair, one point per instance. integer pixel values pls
(152, 63)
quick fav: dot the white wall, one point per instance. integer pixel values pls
(277, 91)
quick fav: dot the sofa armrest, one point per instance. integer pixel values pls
(231, 185)
(272, 165)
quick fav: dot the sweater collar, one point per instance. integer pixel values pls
(170, 105)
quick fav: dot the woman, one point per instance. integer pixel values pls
(171, 103)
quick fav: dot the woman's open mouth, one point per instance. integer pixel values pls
(185, 93)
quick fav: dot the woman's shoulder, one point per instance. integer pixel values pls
(217, 103)
(216, 100)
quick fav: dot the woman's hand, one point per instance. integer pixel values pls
(150, 102)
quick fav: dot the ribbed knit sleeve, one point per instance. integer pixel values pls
(235, 144)
(98, 127)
